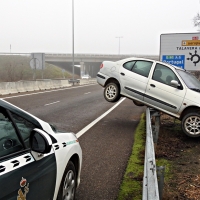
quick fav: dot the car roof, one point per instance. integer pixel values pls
(147, 59)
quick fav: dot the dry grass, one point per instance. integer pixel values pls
(182, 152)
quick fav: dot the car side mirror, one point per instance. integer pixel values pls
(175, 83)
(40, 141)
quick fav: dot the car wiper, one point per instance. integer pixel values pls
(195, 89)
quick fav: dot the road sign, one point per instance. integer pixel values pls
(40, 58)
(34, 63)
(181, 50)
(177, 60)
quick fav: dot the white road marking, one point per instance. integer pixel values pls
(51, 103)
(87, 93)
(47, 91)
(81, 132)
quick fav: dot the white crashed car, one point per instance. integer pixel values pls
(155, 84)
(36, 161)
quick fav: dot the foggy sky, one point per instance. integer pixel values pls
(46, 25)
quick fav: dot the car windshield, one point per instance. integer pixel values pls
(190, 80)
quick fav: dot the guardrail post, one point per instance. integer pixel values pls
(156, 126)
(160, 178)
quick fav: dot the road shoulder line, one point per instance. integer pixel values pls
(81, 132)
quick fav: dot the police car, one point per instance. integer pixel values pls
(36, 161)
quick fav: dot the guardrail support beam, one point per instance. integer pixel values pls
(160, 178)
(156, 127)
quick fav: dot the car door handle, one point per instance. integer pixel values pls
(152, 85)
(122, 74)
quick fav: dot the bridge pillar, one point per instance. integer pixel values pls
(82, 66)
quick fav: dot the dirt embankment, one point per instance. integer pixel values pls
(183, 155)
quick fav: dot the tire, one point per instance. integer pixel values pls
(137, 103)
(111, 92)
(191, 124)
(68, 184)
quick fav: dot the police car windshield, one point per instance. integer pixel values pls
(190, 80)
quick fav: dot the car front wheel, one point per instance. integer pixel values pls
(191, 124)
(111, 92)
(68, 185)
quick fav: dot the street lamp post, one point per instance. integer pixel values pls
(73, 39)
(119, 37)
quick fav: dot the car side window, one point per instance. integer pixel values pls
(164, 74)
(9, 141)
(142, 67)
(25, 127)
(129, 65)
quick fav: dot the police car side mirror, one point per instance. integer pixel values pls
(40, 141)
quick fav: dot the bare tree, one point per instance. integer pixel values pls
(10, 71)
(196, 20)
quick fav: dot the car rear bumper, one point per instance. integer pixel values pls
(101, 79)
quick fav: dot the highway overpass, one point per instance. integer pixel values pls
(89, 63)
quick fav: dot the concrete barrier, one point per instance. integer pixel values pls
(41, 85)
(30, 86)
(93, 81)
(84, 81)
(65, 83)
(8, 88)
(20, 86)
(48, 84)
(88, 81)
(11, 88)
(57, 83)
(3, 88)
(44, 84)
(27, 86)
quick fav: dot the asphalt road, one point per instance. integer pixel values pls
(70, 109)
(106, 146)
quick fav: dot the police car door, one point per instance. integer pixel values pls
(21, 176)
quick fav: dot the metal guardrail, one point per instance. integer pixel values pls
(74, 81)
(153, 179)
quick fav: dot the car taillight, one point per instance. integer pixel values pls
(101, 66)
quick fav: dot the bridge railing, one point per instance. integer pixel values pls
(100, 55)
(152, 186)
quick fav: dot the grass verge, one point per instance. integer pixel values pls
(131, 187)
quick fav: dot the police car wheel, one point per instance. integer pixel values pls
(68, 185)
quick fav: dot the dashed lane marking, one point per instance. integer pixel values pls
(51, 103)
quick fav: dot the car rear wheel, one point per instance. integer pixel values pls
(68, 185)
(191, 124)
(111, 92)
